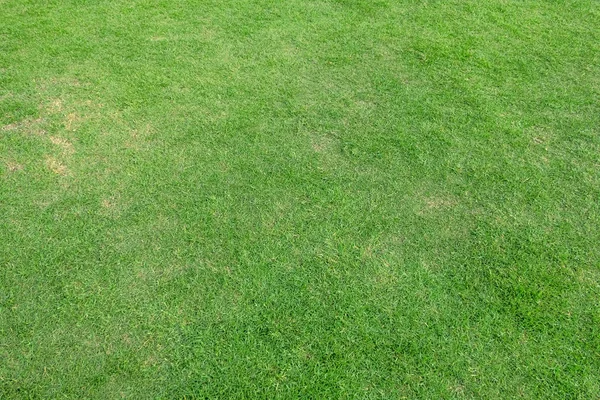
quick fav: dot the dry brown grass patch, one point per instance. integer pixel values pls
(437, 203)
(13, 166)
(56, 166)
(27, 126)
(63, 143)
(72, 122)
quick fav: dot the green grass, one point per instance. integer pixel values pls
(300, 199)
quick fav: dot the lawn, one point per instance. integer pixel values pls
(369, 199)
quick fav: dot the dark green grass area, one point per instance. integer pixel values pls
(299, 199)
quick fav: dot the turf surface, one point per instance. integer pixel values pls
(300, 199)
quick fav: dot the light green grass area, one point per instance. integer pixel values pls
(369, 199)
